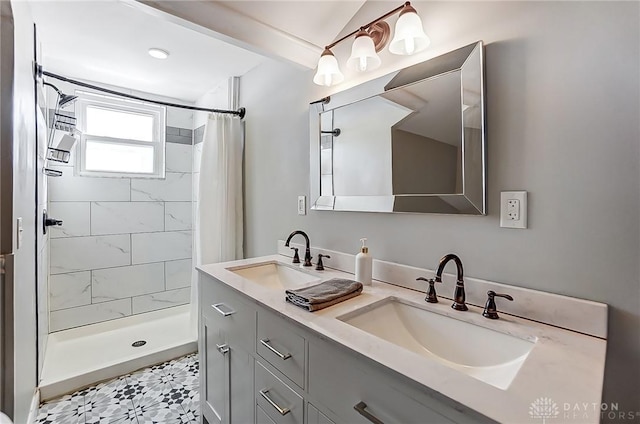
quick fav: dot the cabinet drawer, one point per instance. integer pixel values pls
(232, 315)
(316, 417)
(343, 384)
(262, 417)
(280, 402)
(279, 344)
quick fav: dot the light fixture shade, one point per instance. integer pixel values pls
(328, 70)
(409, 36)
(363, 54)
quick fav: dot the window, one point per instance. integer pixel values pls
(120, 138)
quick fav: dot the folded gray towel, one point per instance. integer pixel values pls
(324, 294)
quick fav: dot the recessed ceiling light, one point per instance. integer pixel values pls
(158, 53)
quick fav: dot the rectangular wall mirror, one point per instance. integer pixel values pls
(410, 141)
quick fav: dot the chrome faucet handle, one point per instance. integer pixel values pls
(320, 265)
(490, 310)
(432, 297)
(296, 258)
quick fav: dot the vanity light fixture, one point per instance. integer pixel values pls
(158, 53)
(363, 53)
(409, 38)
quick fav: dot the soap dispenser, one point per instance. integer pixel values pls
(364, 264)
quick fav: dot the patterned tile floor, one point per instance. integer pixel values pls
(163, 394)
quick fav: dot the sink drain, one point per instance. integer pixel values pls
(139, 343)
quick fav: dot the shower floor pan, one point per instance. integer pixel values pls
(80, 357)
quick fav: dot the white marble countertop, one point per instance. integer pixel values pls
(565, 367)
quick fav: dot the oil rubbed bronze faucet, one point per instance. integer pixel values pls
(320, 265)
(458, 294)
(490, 310)
(432, 296)
(307, 253)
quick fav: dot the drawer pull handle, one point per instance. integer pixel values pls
(217, 306)
(223, 348)
(283, 356)
(360, 407)
(265, 394)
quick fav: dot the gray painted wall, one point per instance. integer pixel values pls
(563, 107)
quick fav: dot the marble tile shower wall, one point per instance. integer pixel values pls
(126, 244)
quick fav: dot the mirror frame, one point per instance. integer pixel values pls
(463, 203)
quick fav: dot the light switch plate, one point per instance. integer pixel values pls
(513, 209)
(302, 205)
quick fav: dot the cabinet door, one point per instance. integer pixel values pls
(228, 330)
(214, 373)
(241, 386)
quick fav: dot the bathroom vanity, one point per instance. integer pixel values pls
(387, 356)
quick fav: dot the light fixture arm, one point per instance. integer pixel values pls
(364, 27)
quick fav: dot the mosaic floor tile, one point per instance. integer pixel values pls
(159, 412)
(163, 394)
(69, 409)
(191, 406)
(183, 372)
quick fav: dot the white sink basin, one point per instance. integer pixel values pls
(485, 354)
(274, 275)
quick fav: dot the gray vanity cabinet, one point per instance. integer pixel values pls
(258, 366)
(226, 345)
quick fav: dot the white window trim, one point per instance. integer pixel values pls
(158, 113)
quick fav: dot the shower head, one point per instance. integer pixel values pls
(63, 99)
(66, 99)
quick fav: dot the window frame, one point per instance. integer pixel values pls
(158, 140)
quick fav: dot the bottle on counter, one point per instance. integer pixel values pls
(364, 264)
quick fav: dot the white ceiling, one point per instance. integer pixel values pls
(294, 31)
(317, 22)
(107, 42)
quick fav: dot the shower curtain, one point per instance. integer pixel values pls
(218, 232)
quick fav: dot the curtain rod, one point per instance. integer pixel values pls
(240, 112)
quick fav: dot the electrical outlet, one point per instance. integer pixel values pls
(302, 205)
(513, 209)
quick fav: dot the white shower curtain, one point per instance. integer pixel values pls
(218, 231)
